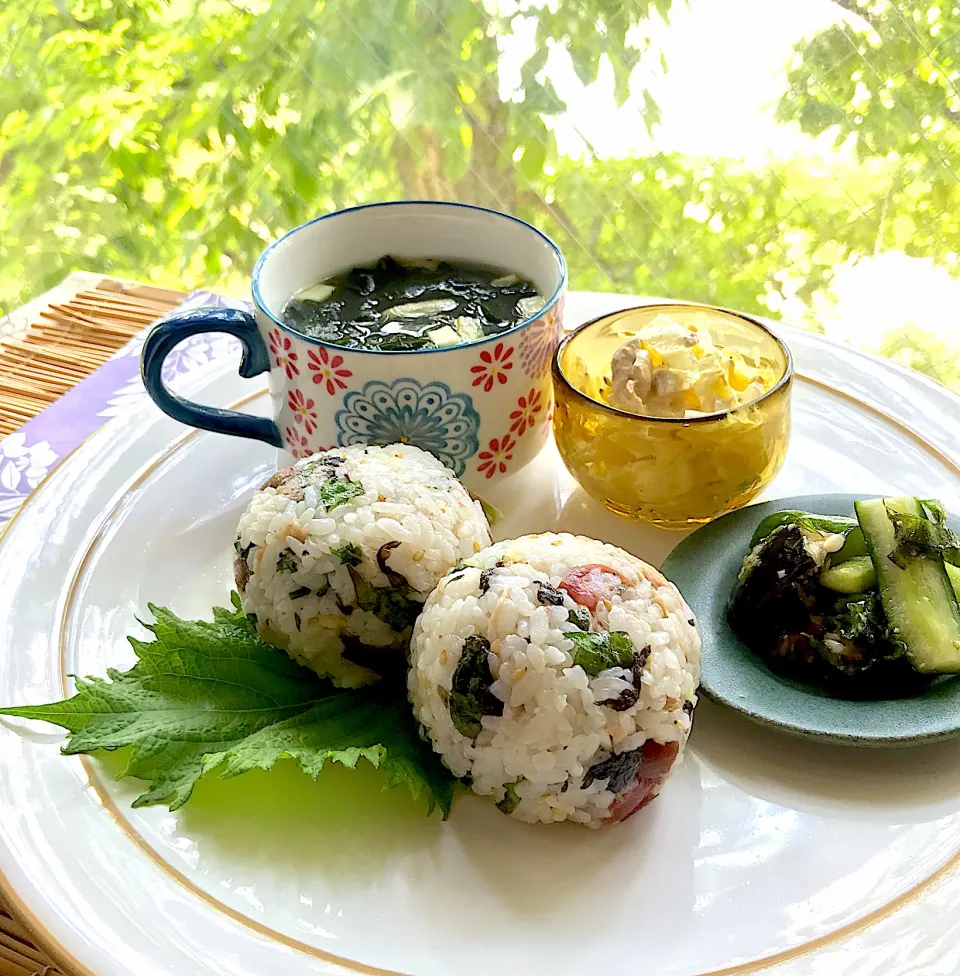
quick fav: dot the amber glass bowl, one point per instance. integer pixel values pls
(673, 472)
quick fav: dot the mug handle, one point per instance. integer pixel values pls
(256, 360)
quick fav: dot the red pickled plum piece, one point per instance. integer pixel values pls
(588, 585)
(658, 759)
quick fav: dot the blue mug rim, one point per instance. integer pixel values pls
(261, 305)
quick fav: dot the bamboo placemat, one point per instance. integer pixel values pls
(69, 339)
(18, 955)
(61, 343)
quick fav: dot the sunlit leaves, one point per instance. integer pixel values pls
(922, 351)
(187, 112)
(169, 140)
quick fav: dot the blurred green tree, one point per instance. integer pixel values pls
(169, 140)
(925, 353)
(885, 80)
(172, 138)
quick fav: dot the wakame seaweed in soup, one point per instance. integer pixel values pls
(408, 304)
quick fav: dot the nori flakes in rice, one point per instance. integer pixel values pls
(470, 698)
(336, 555)
(559, 674)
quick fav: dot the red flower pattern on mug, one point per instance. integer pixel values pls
(302, 409)
(493, 366)
(297, 443)
(328, 370)
(494, 459)
(526, 413)
(283, 356)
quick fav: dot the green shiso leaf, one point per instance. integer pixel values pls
(492, 513)
(598, 651)
(394, 605)
(211, 695)
(348, 554)
(335, 492)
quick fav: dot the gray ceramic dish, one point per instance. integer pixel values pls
(705, 565)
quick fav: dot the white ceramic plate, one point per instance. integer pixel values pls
(762, 851)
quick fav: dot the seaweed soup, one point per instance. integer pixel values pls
(404, 304)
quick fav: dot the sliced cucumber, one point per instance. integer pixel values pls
(840, 524)
(856, 575)
(854, 545)
(919, 601)
(953, 573)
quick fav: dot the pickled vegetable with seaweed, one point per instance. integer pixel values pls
(862, 607)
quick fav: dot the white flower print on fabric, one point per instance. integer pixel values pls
(22, 467)
(125, 401)
(196, 353)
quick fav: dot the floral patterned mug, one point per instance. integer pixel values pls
(483, 407)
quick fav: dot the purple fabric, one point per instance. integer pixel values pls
(109, 394)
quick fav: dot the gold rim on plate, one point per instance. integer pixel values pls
(68, 962)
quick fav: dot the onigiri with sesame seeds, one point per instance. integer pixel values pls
(336, 555)
(559, 674)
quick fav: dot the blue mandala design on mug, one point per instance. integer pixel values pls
(429, 416)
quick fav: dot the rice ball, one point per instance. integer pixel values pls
(336, 555)
(559, 675)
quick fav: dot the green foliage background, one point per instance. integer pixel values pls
(169, 140)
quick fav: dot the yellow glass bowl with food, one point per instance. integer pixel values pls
(672, 414)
